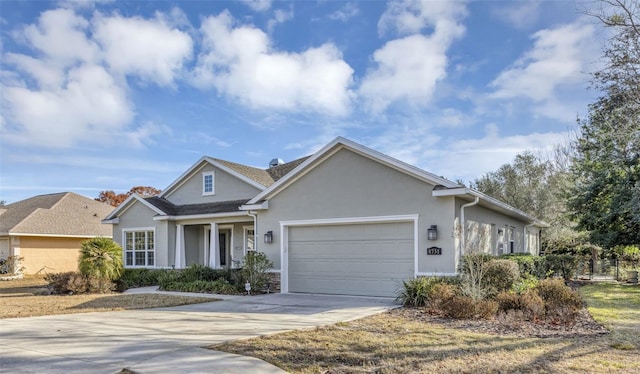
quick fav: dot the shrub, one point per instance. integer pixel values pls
(78, 283)
(500, 275)
(464, 307)
(528, 282)
(561, 302)
(562, 265)
(630, 255)
(473, 268)
(131, 278)
(100, 258)
(254, 270)
(417, 292)
(219, 286)
(458, 307)
(440, 292)
(529, 304)
(198, 272)
(527, 264)
(508, 301)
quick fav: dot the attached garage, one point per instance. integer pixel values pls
(351, 258)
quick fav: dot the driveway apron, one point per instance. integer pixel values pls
(168, 340)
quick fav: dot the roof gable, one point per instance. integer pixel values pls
(254, 177)
(308, 164)
(132, 199)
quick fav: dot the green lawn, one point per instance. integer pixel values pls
(617, 307)
(397, 343)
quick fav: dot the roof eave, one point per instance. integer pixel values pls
(199, 216)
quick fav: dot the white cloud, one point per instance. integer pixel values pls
(145, 134)
(559, 57)
(460, 158)
(410, 67)
(240, 62)
(148, 49)
(407, 17)
(279, 16)
(521, 14)
(88, 103)
(348, 11)
(258, 5)
(60, 35)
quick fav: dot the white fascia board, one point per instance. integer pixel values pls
(202, 162)
(113, 221)
(260, 206)
(59, 235)
(339, 143)
(451, 192)
(199, 216)
(127, 203)
(351, 220)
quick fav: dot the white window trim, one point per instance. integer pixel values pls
(245, 236)
(213, 183)
(124, 247)
(284, 235)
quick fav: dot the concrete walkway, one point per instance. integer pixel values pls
(168, 340)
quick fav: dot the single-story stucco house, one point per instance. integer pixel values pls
(47, 230)
(346, 220)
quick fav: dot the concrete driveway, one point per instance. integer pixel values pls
(168, 340)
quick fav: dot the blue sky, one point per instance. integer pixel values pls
(110, 95)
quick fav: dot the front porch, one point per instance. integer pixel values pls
(215, 244)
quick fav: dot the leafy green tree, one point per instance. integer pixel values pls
(100, 258)
(606, 167)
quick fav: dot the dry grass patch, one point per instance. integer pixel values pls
(394, 343)
(400, 342)
(25, 298)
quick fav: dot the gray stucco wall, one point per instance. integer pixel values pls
(140, 216)
(226, 187)
(482, 216)
(350, 185)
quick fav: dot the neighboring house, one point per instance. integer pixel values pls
(346, 220)
(47, 230)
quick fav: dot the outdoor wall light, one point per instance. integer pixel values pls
(432, 232)
(268, 237)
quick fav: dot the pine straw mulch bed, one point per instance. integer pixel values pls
(511, 325)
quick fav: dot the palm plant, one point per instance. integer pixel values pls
(101, 258)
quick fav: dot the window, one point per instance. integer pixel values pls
(208, 183)
(512, 243)
(249, 238)
(139, 248)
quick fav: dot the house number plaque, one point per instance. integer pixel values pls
(434, 251)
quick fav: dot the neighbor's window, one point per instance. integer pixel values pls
(208, 183)
(139, 248)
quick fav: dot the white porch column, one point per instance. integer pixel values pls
(214, 245)
(180, 259)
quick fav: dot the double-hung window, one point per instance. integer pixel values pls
(208, 183)
(139, 248)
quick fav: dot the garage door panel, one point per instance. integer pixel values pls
(354, 259)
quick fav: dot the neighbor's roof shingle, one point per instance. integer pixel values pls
(64, 213)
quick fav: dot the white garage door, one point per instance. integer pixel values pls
(352, 259)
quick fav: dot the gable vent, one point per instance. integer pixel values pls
(276, 162)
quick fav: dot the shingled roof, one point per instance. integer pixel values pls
(64, 213)
(171, 209)
(265, 177)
